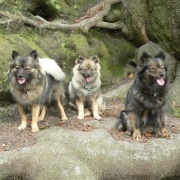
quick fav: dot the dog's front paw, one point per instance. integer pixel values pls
(35, 128)
(97, 117)
(137, 135)
(80, 116)
(22, 126)
(64, 118)
(165, 133)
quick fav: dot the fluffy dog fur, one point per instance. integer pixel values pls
(144, 106)
(34, 83)
(85, 87)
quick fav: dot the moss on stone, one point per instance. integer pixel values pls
(163, 25)
(114, 53)
(176, 112)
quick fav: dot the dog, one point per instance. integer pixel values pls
(34, 83)
(146, 98)
(85, 88)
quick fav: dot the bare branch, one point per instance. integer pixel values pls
(93, 18)
(109, 25)
(41, 19)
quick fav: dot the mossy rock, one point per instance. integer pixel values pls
(114, 53)
(163, 25)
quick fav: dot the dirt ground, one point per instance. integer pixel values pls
(13, 139)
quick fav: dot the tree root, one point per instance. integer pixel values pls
(93, 18)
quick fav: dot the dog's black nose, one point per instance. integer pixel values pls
(88, 75)
(20, 77)
(162, 75)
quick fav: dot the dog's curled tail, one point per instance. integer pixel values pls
(51, 67)
(121, 122)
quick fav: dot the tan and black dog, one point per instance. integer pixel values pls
(34, 83)
(85, 87)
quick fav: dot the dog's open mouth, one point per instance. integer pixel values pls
(160, 81)
(21, 81)
(88, 79)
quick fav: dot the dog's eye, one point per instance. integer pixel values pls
(152, 68)
(17, 66)
(27, 68)
(83, 69)
(162, 67)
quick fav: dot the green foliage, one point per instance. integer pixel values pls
(70, 51)
(14, 5)
(76, 7)
(177, 112)
(4, 86)
(54, 3)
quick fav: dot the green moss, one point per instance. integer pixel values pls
(177, 112)
(162, 15)
(116, 53)
(115, 14)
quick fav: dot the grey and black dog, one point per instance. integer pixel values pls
(145, 101)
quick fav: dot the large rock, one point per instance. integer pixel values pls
(65, 154)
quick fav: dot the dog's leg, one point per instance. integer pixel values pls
(35, 115)
(165, 133)
(137, 135)
(95, 110)
(63, 115)
(121, 124)
(163, 130)
(23, 118)
(43, 112)
(101, 105)
(133, 124)
(80, 106)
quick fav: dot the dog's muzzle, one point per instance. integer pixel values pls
(21, 79)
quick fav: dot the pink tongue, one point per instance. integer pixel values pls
(160, 81)
(21, 81)
(88, 79)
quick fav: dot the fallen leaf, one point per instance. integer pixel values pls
(148, 134)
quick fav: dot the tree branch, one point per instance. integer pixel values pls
(93, 18)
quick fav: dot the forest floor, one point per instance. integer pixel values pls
(13, 139)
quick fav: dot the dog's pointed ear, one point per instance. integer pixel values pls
(79, 60)
(14, 54)
(95, 59)
(33, 54)
(161, 55)
(144, 56)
